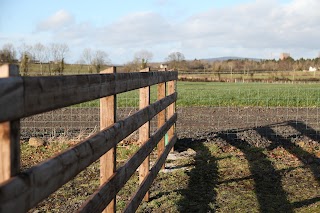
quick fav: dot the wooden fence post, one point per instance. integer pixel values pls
(108, 107)
(171, 109)
(161, 117)
(9, 136)
(144, 132)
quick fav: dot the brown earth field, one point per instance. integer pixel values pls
(226, 159)
(193, 122)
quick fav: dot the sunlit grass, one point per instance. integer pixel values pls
(231, 94)
(248, 94)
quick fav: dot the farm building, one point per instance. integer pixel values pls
(284, 56)
(312, 69)
(162, 66)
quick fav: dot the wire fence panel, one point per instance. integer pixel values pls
(81, 120)
(201, 106)
(69, 122)
(290, 110)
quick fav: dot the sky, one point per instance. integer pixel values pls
(198, 29)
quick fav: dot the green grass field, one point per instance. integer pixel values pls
(248, 94)
(275, 75)
(232, 94)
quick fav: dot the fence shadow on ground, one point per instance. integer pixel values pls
(268, 186)
(304, 129)
(308, 159)
(200, 195)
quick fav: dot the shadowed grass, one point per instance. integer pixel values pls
(222, 174)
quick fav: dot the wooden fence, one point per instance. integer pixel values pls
(26, 96)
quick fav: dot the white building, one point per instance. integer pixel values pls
(312, 69)
(162, 66)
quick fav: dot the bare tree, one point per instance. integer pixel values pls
(7, 53)
(25, 49)
(48, 58)
(94, 59)
(80, 63)
(175, 59)
(99, 58)
(24, 64)
(175, 56)
(25, 56)
(143, 56)
(61, 66)
(59, 52)
(39, 52)
(87, 58)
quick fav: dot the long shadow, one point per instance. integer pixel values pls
(304, 129)
(308, 159)
(200, 195)
(268, 188)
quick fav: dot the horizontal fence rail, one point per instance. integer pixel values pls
(25, 96)
(23, 190)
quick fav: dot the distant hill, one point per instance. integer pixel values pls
(225, 58)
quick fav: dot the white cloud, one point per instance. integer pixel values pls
(256, 29)
(57, 21)
(260, 25)
(137, 29)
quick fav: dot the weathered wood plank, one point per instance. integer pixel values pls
(161, 118)
(144, 132)
(171, 109)
(34, 95)
(108, 107)
(9, 135)
(11, 98)
(136, 199)
(25, 190)
(101, 198)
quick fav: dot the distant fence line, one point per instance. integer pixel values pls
(26, 96)
(228, 71)
(245, 80)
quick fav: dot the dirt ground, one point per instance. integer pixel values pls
(253, 123)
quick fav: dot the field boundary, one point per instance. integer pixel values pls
(25, 96)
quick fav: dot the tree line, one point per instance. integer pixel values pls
(176, 60)
(244, 65)
(54, 56)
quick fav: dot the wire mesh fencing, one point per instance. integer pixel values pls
(81, 120)
(290, 110)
